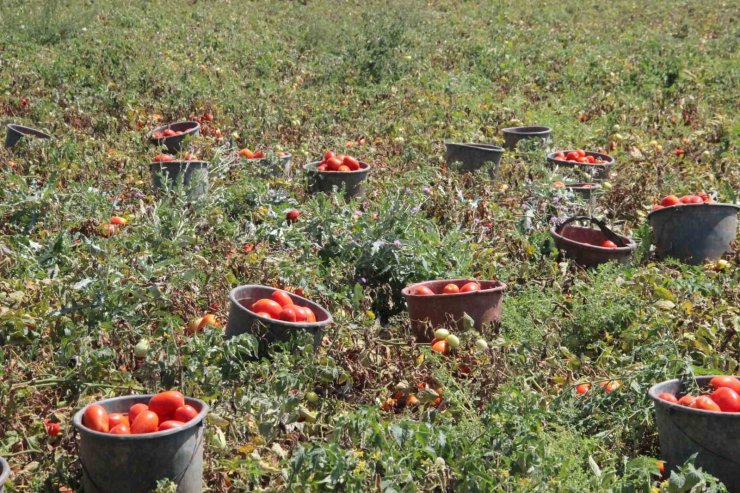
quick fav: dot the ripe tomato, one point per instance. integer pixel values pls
(582, 159)
(423, 291)
(705, 403)
(208, 117)
(118, 221)
(259, 154)
(115, 419)
(185, 413)
(571, 156)
(206, 320)
(470, 287)
(246, 153)
(301, 313)
(590, 159)
(669, 200)
(96, 418)
(292, 215)
(580, 153)
(168, 132)
(583, 388)
(282, 298)
(451, 289)
(52, 429)
(608, 244)
(559, 155)
(145, 422)
(725, 381)
(164, 404)
(135, 410)
(667, 396)
(268, 306)
(310, 315)
(264, 314)
(163, 158)
(343, 169)
(333, 164)
(691, 199)
(288, 314)
(351, 163)
(121, 429)
(687, 400)
(321, 167)
(170, 424)
(727, 399)
(441, 347)
(558, 184)
(328, 155)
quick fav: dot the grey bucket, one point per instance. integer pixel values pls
(194, 176)
(352, 182)
(694, 233)
(15, 132)
(279, 166)
(174, 143)
(684, 431)
(134, 463)
(513, 135)
(243, 320)
(4, 473)
(598, 172)
(473, 156)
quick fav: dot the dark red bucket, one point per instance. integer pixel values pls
(582, 244)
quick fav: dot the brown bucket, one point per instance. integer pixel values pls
(582, 244)
(447, 310)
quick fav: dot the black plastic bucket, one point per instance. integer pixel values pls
(4, 473)
(694, 233)
(513, 135)
(683, 431)
(15, 132)
(279, 166)
(352, 182)
(174, 142)
(192, 174)
(473, 156)
(597, 172)
(243, 320)
(134, 463)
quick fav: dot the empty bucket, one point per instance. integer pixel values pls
(513, 135)
(473, 156)
(193, 175)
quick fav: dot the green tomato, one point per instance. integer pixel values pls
(453, 341)
(441, 333)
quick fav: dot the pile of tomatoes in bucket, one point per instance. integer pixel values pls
(342, 163)
(671, 200)
(165, 411)
(579, 156)
(449, 289)
(725, 396)
(280, 306)
(168, 132)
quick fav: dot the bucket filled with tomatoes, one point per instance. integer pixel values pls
(337, 172)
(700, 416)
(444, 303)
(593, 164)
(127, 444)
(692, 228)
(273, 163)
(590, 247)
(272, 315)
(169, 173)
(173, 135)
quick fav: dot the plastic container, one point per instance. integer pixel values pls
(4, 474)
(585, 190)
(693, 233)
(193, 174)
(243, 320)
(174, 142)
(428, 312)
(582, 244)
(473, 156)
(683, 431)
(595, 171)
(15, 132)
(134, 463)
(280, 166)
(513, 135)
(352, 182)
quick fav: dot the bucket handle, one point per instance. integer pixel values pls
(611, 235)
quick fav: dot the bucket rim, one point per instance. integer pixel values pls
(652, 393)
(178, 162)
(28, 131)
(632, 244)
(685, 207)
(196, 421)
(299, 325)
(4, 472)
(311, 168)
(500, 287)
(582, 186)
(528, 130)
(192, 128)
(286, 155)
(475, 145)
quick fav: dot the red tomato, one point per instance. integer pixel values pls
(310, 316)
(164, 404)
(333, 163)
(282, 298)
(185, 413)
(301, 313)
(135, 410)
(116, 419)
(52, 429)
(580, 153)
(168, 132)
(264, 314)
(288, 314)
(208, 117)
(321, 167)
(343, 168)
(246, 153)
(423, 291)
(571, 156)
(559, 155)
(451, 289)
(121, 429)
(292, 215)
(679, 152)
(667, 396)
(268, 306)
(259, 155)
(328, 155)
(590, 159)
(169, 425)
(470, 287)
(118, 221)
(442, 347)
(350, 162)
(583, 388)
(691, 199)
(608, 244)
(145, 422)
(157, 135)
(669, 200)
(163, 158)
(727, 399)
(96, 418)
(725, 381)
(705, 403)
(582, 159)
(687, 400)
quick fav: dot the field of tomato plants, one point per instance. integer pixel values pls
(110, 287)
